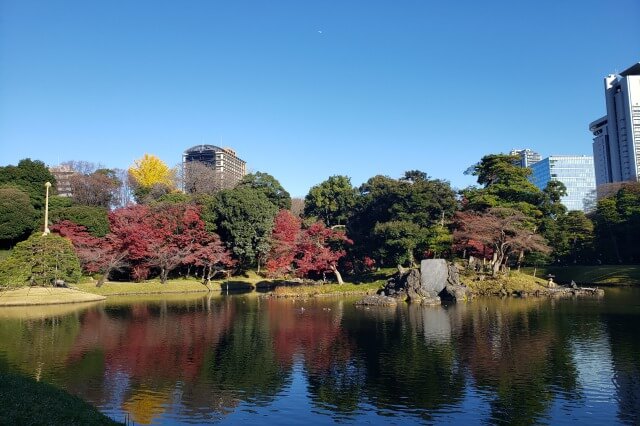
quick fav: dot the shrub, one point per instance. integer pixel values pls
(95, 219)
(39, 261)
(17, 215)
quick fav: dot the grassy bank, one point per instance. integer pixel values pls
(592, 275)
(248, 281)
(111, 288)
(326, 290)
(27, 296)
(27, 402)
(514, 282)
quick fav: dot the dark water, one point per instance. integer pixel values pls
(242, 359)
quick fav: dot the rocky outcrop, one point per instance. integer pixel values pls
(408, 286)
(378, 300)
(436, 280)
(456, 293)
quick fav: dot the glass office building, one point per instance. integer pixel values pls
(575, 172)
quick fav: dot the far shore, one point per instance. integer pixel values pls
(514, 284)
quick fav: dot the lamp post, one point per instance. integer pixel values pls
(46, 210)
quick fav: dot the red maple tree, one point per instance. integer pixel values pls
(505, 232)
(319, 249)
(96, 255)
(286, 230)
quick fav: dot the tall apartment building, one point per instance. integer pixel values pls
(616, 136)
(63, 175)
(526, 157)
(576, 172)
(227, 168)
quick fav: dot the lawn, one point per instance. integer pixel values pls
(326, 289)
(596, 274)
(147, 287)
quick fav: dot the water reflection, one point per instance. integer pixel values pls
(201, 359)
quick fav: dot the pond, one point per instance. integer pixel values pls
(246, 359)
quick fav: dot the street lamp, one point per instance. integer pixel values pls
(46, 210)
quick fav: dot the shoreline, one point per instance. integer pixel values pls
(516, 284)
(38, 296)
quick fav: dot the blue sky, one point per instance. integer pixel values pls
(307, 89)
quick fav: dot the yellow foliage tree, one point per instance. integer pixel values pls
(150, 170)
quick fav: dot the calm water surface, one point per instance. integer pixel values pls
(242, 359)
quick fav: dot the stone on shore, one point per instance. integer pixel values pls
(378, 300)
(408, 287)
(434, 274)
(456, 293)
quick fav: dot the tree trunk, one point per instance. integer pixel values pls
(337, 274)
(205, 276)
(102, 279)
(164, 273)
(495, 264)
(412, 259)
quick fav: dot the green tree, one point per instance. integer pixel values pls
(30, 176)
(95, 219)
(331, 201)
(39, 261)
(617, 220)
(505, 184)
(578, 229)
(175, 198)
(551, 201)
(395, 216)
(243, 218)
(399, 240)
(17, 215)
(269, 186)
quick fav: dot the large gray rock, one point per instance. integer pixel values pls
(456, 293)
(434, 274)
(407, 286)
(438, 275)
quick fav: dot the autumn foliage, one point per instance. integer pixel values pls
(146, 239)
(284, 240)
(314, 250)
(506, 233)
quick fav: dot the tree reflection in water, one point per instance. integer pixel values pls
(203, 359)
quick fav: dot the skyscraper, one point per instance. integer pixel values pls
(574, 171)
(616, 136)
(526, 156)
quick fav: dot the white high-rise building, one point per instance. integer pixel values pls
(616, 136)
(527, 157)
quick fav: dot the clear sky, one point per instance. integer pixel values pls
(305, 89)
